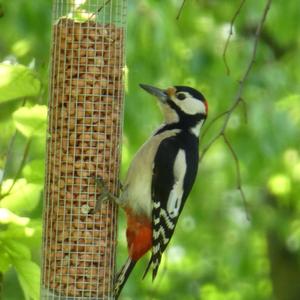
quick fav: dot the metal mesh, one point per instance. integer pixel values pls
(85, 119)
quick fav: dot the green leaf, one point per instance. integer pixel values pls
(28, 234)
(290, 104)
(5, 260)
(17, 238)
(18, 255)
(17, 250)
(17, 81)
(7, 217)
(34, 171)
(29, 278)
(31, 121)
(24, 196)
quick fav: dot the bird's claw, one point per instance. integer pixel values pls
(103, 196)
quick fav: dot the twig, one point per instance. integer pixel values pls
(215, 119)
(238, 100)
(227, 115)
(180, 10)
(21, 166)
(9, 151)
(99, 9)
(245, 110)
(10, 147)
(230, 34)
(238, 174)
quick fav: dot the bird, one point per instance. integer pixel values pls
(160, 177)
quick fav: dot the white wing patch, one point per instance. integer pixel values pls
(175, 197)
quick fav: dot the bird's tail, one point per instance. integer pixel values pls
(122, 276)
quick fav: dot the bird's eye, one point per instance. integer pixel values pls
(181, 96)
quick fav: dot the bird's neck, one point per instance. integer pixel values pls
(197, 128)
(188, 127)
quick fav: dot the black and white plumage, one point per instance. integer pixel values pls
(161, 175)
(174, 172)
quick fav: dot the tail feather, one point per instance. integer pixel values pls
(122, 276)
(148, 267)
(154, 262)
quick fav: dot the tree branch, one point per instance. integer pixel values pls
(180, 10)
(21, 166)
(237, 100)
(8, 153)
(99, 10)
(214, 120)
(237, 12)
(238, 174)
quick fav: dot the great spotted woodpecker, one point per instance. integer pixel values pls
(160, 177)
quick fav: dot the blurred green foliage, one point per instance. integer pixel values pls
(216, 253)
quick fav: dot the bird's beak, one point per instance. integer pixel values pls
(159, 93)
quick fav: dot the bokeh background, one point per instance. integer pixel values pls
(216, 252)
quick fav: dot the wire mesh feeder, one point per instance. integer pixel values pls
(85, 120)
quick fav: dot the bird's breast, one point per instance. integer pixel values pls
(139, 176)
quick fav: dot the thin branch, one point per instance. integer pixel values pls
(207, 147)
(244, 103)
(99, 9)
(230, 34)
(209, 125)
(21, 166)
(238, 174)
(227, 115)
(180, 10)
(238, 100)
(9, 151)
(257, 35)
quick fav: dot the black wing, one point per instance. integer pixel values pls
(174, 171)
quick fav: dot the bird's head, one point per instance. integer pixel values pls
(180, 104)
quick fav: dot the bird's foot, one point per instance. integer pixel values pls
(103, 196)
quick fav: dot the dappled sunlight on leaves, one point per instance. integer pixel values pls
(24, 196)
(33, 171)
(293, 238)
(211, 292)
(31, 121)
(21, 47)
(279, 185)
(290, 104)
(8, 217)
(29, 277)
(17, 81)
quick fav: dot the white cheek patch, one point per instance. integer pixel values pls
(190, 105)
(175, 197)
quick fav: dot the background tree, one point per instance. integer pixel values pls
(216, 253)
